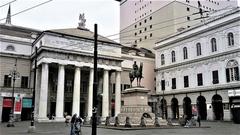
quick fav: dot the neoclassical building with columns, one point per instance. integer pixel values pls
(64, 80)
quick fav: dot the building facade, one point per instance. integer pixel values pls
(16, 45)
(143, 22)
(197, 70)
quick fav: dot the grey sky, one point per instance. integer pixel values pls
(59, 14)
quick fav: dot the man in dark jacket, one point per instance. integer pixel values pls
(74, 117)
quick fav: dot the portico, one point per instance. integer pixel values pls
(66, 78)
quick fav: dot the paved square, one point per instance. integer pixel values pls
(216, 128)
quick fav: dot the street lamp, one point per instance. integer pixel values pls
(14, 75)
(31, 128)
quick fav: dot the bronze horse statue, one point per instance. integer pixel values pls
(136, 73)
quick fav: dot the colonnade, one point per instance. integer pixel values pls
(43, 92)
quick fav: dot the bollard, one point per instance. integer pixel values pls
(142, 124)
(156, 123)
(127, 124)
(116, 124)
(107, 122)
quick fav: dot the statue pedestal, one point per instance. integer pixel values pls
(135, 106)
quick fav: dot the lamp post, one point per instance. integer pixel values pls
(95, 84)
(31, 128)
(14, 75)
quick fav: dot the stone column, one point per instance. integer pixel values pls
(37, 92)
(76, 91)
(118, 93)
(90, 94)
(60, 93)
(105, 98)
(43, 94)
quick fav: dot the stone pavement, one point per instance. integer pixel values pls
(214, 128)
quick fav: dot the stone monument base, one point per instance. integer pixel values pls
(136, 107)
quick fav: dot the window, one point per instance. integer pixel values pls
(140, 31)
(200, 79)
(145, 20)
(186, 83)
(24, 82)
(199, 51)
(173, 56)
(163, 84)
(150, 34)
(162, 59)
(150, 18)
(10, 48)
(215, 77)
(135, 34)
(150, 26)
(188, 18)
(7, 81)
(140, 39)
(145, 37)
(173, 83)
(214, 44)
(145, 29)
(188, 9)
(185, 54)
(232, 71)
(135, 26)
(126, 86)
(140, 23)
(230, 39)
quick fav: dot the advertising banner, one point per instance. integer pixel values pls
(18, 105)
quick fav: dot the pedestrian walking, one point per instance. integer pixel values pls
(74, 117)
(77, 126)
(67, 120)
(199, 121)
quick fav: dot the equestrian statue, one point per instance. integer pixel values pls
(136, 72)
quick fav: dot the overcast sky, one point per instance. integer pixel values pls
(59, 14)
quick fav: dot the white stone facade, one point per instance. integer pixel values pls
(204, 75)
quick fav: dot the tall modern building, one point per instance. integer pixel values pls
(142, 22)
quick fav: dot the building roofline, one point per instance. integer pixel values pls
(210, 20)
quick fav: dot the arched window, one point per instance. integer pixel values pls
(173, 56)
(232, 71)
(162, 59)
(230, 39)
(10, 48)
(199, 51)
(214, 44)
(185, 54)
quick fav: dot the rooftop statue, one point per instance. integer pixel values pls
(82, 21)
(136, 72)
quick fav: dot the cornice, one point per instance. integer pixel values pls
(12, 55)
(189, 35)
(232, 85)
(15, 41)
(51, 49)
(209, 58)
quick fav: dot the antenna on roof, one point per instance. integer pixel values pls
(200, 11)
